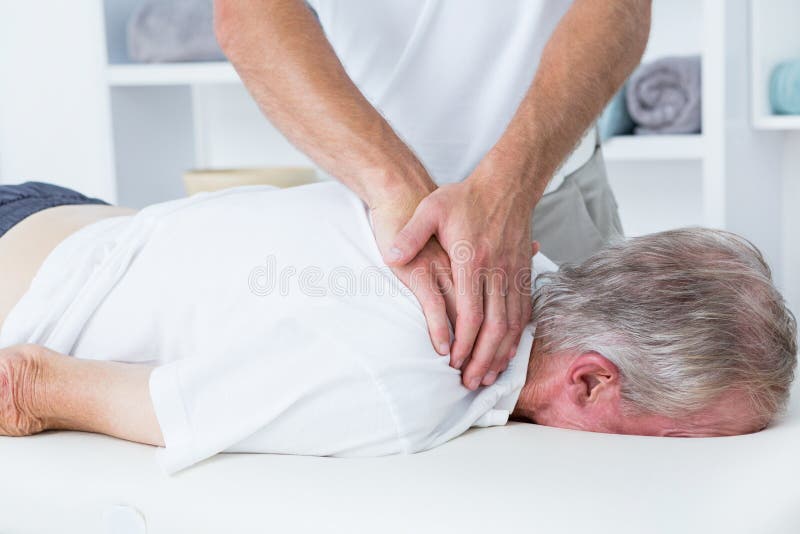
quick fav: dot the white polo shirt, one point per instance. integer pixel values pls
(448, 75)
(273, 323)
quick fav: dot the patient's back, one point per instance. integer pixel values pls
(273, 305)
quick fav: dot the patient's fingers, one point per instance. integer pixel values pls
(492, 332)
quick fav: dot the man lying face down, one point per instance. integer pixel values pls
(180, 334)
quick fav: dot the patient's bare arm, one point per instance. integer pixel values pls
(43, 390)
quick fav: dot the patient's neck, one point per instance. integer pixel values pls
(538, 386)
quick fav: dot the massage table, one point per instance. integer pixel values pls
(518, 478)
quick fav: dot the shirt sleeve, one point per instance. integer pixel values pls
(305, 396)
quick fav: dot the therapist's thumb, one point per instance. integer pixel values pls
(412, 238)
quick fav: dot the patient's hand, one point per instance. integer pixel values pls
(427, 275)
(21, 391)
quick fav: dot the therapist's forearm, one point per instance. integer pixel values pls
(288, 65)
(592, 51)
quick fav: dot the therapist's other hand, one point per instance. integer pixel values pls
(427, 274)
(484, 225)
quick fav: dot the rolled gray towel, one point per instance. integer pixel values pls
(664, 97)
(173, 30)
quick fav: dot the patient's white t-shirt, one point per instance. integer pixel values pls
(274, 325)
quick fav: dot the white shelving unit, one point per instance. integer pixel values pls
(683, 174)
(774, 37)
(176, 74)
(777, 122)
(654, 148)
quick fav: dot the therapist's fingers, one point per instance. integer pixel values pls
(523, 284)
(469, 314)
(444, 280)
(518, 306)
(492, 332)
(415, 234)
(433, 306)
(425, 276)
(508, 346)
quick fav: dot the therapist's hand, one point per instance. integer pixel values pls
(427, 274)
(484, 225)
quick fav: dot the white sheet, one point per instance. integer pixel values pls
(518, 478)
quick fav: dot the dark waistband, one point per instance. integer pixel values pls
(20, 201)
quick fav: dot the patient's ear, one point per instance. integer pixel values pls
(591, 379)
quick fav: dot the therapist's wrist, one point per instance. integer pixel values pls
(397, 185)
(526, 157)
(515, 175)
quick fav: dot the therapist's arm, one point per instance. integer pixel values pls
(593, 49)
(289, 67)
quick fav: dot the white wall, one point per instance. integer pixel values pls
(655, 196)
(53, 99)
(754, 158)
(763, 168)
(790, 226)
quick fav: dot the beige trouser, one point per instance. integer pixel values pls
(579, 217)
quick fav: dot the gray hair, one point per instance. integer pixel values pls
(686, 315)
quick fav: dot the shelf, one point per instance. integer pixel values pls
(773, 39)
(777, 122)
(171, 74)
(654, 147)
